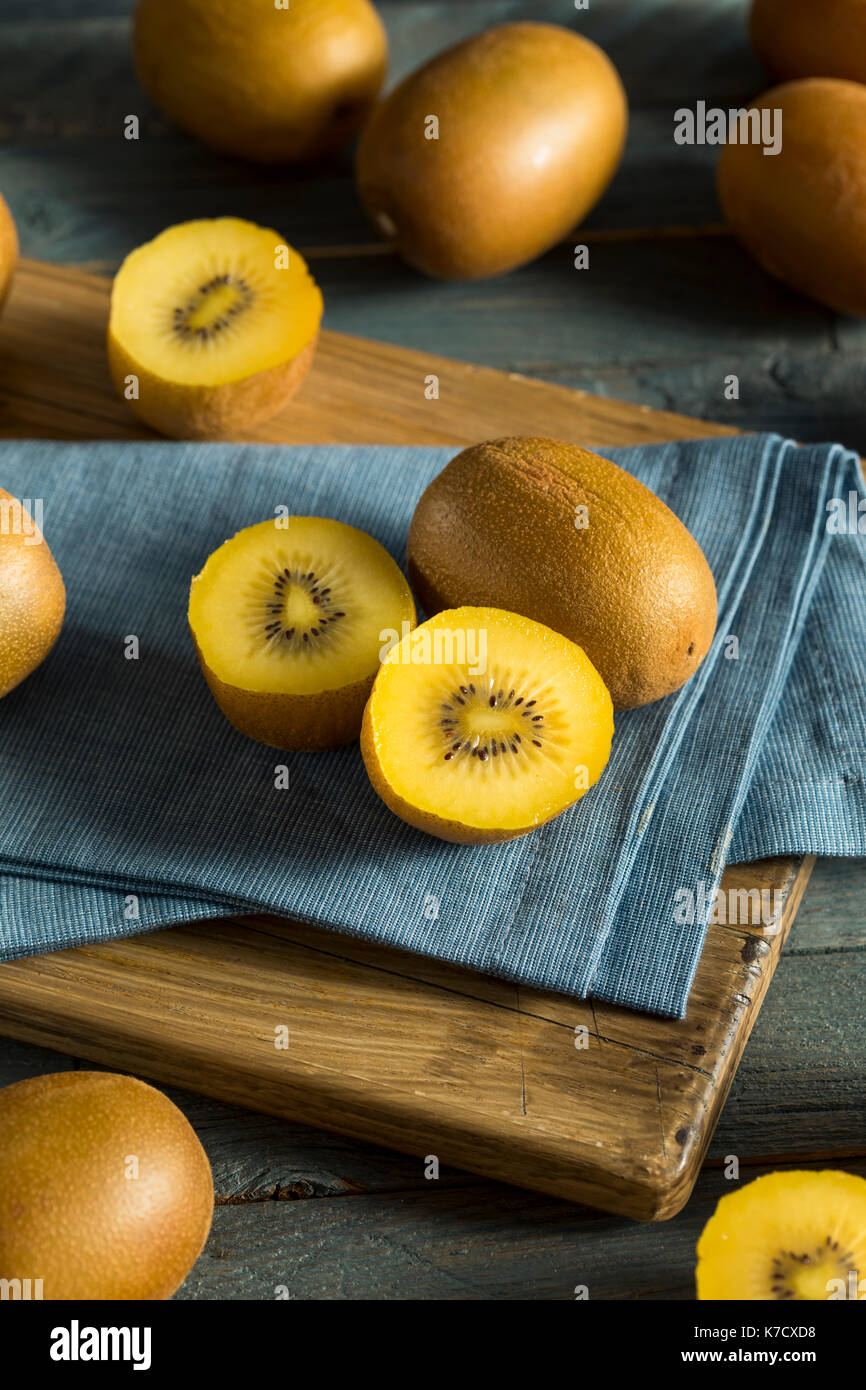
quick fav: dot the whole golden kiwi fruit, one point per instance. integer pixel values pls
(563, 536)
(8, 249)
(265, 83)
(492, 152)
(32, 595)
(802, 212)
(105, 1191)
(802, 38)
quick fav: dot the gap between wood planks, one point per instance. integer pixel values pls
(302, 1190)
(363, 250)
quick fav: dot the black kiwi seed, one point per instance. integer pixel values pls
(780, 1274)
(467, 698)
(318, 628)
(181, 315)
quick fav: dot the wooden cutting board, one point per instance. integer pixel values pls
(385, 1046)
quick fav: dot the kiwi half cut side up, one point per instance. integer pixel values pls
(289, 620)
(483, 725)
(213, 326)
(789, 1236)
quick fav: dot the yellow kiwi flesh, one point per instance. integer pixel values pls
(789, 1236)
(8, 249)
(213, 327)
(289, 622)
(566, 537)
(32, 595)
(262, 81)
(105, 1191)
(494, 150)
(483, 725)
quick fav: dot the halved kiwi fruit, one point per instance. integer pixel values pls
(483, 725)
(289, 620)
(792, 1236)
(213, 327)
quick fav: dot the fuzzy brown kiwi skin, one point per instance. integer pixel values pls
(32, 606)
(74, 1221)
(496, 528)
(8, 249)
(299, 723)
(182, 411)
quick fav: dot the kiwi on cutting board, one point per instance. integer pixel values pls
(8, 249)
(105, 1190)
(32, 595)
(494, 150)
(213, 326)
(566, 537)
(260, 80)
(290, 619)
(792, 1236)
(482, 725)
(802, 212)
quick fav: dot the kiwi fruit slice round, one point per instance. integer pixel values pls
(792, 1236)
(290, 619)
(483, 725)
(213, 326)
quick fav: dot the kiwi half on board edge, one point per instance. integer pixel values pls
(213, 327)
(289, 619)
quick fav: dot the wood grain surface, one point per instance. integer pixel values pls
(384, 1046)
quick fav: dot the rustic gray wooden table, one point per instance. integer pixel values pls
(671, 307)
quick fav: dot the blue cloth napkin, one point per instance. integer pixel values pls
(129, 803)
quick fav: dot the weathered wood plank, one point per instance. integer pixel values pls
(64, 188)
(19, 1061)
(474, 1243)
(832, 916)
(804, 1091)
